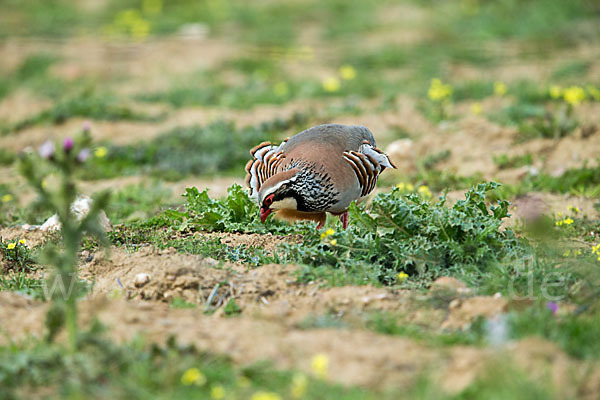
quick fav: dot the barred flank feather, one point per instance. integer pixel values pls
(367, 164)
(266, 159)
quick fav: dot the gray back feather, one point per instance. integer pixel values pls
(347, 137)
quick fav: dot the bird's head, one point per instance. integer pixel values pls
(277, 193)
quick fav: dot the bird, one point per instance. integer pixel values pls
(317, 171)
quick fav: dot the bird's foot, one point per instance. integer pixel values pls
(321, 223)
(344, 219)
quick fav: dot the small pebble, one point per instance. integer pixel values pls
(141, 279)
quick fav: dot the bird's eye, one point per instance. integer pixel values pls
(269, 200)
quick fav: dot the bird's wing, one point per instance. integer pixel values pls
(264, 163)
(368, 162)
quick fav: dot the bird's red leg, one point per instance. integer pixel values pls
(344, 219)
(321, 223)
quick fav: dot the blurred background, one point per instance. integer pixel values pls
(176, 92)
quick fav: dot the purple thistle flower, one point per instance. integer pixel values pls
(68, 144)
(552, 306)
(46, 150)
(83, 155)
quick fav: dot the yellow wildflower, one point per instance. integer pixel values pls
(439, 91)
(574, 95)
(401, 277)
(476, 108)
(500, 88)
(101, 152)
(596, 249)
(555, 91)
(331, 84)
(131, 22)
(574, 209)
(44, 183)
(320, 365)
(566, 221)
(424, 191)
(11, 246)
(576, 252)
(405, 187)
(333, 242)
(23, 241)
(193, 376)
(299, 383)
(567, 253)
(217, 392)
(328, 232)
(347, 72)
(280, 89)
(265, 396)
(7, 197)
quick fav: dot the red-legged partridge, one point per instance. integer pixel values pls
(320, 170)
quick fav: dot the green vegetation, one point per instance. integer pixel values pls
(86, 104)
(409, 234)
(30, 72)
(137, 202)
(435, 237)
(219, 147)
(64, 257)
(103, 369)
(16, 255)
(504, 161)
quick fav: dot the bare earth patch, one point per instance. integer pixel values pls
(356, 357)
(273, 307)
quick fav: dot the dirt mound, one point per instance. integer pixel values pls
(33, 237)
(267, 242)
(270, 291)
(355, 357)
(274, 306)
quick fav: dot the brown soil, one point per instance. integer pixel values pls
(274, 306)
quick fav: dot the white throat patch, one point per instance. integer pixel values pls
(289, 203)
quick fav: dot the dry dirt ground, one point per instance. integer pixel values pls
(272, 325)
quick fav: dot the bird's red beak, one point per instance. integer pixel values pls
(264, 213)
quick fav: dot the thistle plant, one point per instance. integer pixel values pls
(64, 160)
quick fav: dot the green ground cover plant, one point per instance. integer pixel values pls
(103, 369)
(409, 234)
(399, 233)
(219, 147)
(86, 104)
